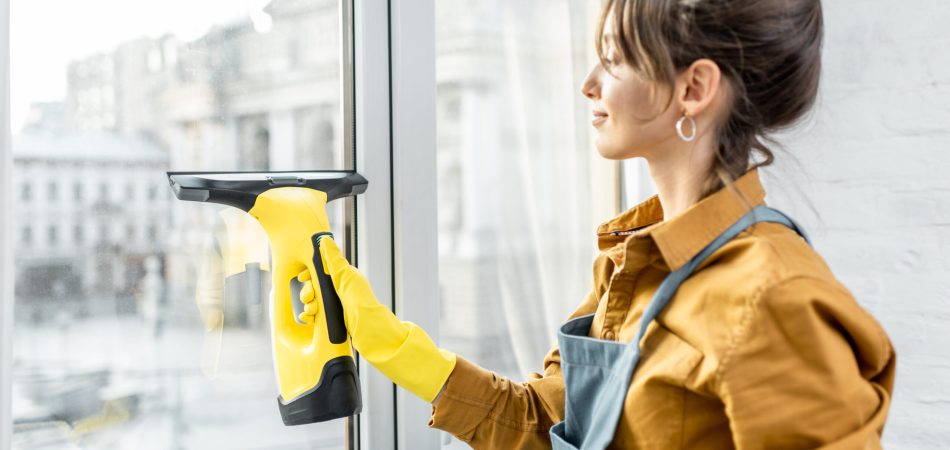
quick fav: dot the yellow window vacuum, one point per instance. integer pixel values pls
(313, 360)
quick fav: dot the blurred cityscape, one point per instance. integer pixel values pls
(94, 200)
(111, 350)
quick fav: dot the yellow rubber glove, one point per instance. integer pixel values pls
(400, 350)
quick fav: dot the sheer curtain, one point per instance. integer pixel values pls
(521, 185)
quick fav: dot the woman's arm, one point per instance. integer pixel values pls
(810, 369)
(478, 406)
(489, 411)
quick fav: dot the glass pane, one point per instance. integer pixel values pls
(518, 201)
(141, 320)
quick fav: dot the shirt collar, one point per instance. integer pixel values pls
(684, 236)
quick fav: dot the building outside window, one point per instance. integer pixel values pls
(103, 234)
(53, 235)
(111, 348)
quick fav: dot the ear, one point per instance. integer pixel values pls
(698, 86)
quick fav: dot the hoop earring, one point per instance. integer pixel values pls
(679, 128)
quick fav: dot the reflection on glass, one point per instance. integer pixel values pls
(142, 321)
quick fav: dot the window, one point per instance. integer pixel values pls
(53, 236)
(103, 234)
(521, 186)
(202, 94)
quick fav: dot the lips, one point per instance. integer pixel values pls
(598, 117)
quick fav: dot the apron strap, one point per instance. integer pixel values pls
(609, 404)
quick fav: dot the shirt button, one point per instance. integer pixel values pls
(609, 335)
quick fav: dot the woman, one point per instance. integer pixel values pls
(711, 322)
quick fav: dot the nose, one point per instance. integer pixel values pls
(590, 87)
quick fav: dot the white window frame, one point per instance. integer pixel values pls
(397, 228)
(6, 241)
(415, 199)
(374, 256)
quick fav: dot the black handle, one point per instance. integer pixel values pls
(332, 307)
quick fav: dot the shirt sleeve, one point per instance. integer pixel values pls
(810, 369)
(489, 411)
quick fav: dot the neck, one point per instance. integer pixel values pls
(679, 175)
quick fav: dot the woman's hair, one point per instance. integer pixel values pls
(769, 52)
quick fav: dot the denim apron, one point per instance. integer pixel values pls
(597, 373)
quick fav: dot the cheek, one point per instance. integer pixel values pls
(631, 101)
(634, 119)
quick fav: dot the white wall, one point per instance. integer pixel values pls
(875, 164)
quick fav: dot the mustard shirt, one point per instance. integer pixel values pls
(760, 348)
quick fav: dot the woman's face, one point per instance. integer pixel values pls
(631, 120)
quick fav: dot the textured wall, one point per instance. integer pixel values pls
(872, 185)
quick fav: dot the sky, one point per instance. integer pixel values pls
(46, 34)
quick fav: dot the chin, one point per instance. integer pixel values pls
(614, 153)
(612, 156)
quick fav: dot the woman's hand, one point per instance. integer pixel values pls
(400, 350)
